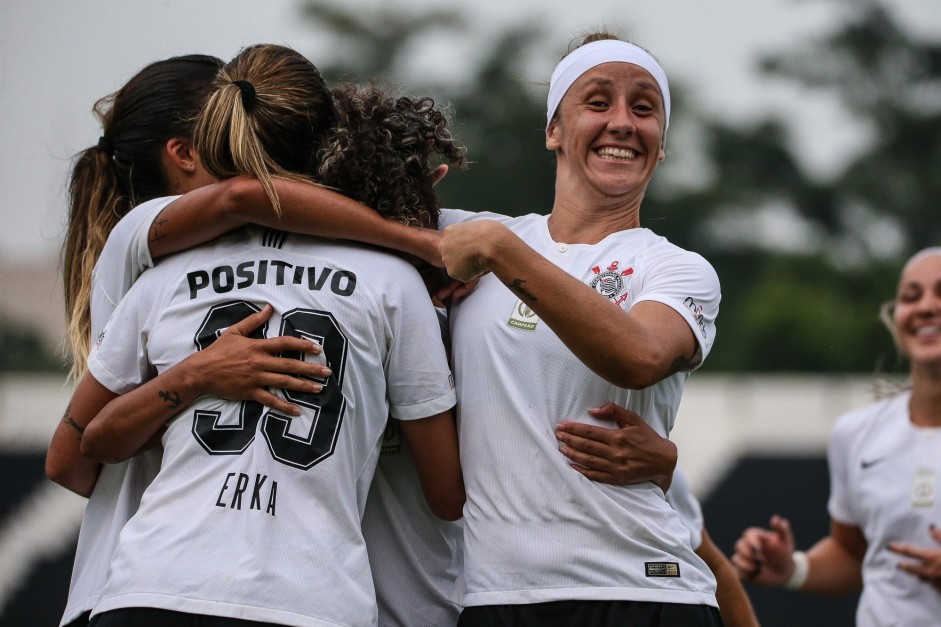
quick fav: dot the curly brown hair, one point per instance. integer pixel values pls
(382, 150)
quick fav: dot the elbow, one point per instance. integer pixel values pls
(639, 370)
(65, 475)
(93, 447)
(448, 508)
(242, 193)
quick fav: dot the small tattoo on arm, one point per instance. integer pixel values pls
(68, 420)
(517, 288)
(155, 228)
(171, 398)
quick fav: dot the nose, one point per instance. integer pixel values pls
(621, 119)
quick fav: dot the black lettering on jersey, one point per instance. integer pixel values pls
(239, 491)
(279, 274)
(244, 272)
(256, 492)
(315, 282)
(198, 279)
(234, 500)
(224, 278)
(350, 283)
(225, 486)
(272, 498)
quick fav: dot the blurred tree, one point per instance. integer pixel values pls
(802, 280)
(892, 81)
(21, 349)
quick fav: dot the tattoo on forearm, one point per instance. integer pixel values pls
(171, 398)
(70, 422)
(155, 227)
(517, 288)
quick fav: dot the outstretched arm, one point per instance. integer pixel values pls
(630, 349)
(208, 212)
(234, 367)
(834, 564)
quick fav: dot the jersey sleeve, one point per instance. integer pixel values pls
(839, 458)
(458, 216)
(418, 378)
(688, 284)
(119, 358)
(124, 257)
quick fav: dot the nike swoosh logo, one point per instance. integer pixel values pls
(864, 464)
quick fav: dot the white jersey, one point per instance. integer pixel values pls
(117, 492)
(885, 478)
(253, 514)
(535, 530)
(681, 498)
(415, 556)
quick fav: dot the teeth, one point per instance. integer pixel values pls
(617, 153)
(927, 330)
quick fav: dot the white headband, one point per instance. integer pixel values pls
(588, 56)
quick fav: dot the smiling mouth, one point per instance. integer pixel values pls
(617, 154)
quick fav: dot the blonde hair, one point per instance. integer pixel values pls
(123, 169)
(268, 117)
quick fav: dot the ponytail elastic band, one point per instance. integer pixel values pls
(106, 145)
(248, 94)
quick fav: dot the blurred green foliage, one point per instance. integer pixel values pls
(23, 350)
(804, 261)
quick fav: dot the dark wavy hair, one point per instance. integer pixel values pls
(382, 150)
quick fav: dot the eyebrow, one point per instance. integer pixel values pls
(604, 82)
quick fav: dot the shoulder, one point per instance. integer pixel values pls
(858, 424)
(457, 216)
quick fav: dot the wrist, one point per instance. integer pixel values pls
(801, 570)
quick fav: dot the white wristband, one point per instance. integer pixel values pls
(801, 570)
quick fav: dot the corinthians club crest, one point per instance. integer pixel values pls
(611, 282)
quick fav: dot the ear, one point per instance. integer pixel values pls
(181, 153)
(662, 155)
(552, 136)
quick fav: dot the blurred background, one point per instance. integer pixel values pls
(802, 162)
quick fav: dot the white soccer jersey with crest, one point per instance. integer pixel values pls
(253, 514)
(885, 478)
(117, 492)
(534, 529)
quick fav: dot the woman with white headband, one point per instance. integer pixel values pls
(885, 484)
(574, 309)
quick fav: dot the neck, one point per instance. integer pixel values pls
(575, 222)
(925, 405)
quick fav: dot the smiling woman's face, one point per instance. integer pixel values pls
(609, 131)
(917, 313)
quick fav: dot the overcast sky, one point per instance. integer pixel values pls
(58, 56)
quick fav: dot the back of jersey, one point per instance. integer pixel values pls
(255, 514)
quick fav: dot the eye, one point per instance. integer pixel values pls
(910, 294)
(597, 103)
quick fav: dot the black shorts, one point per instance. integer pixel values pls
(153, 617)
(81, 621)
(591, 614)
